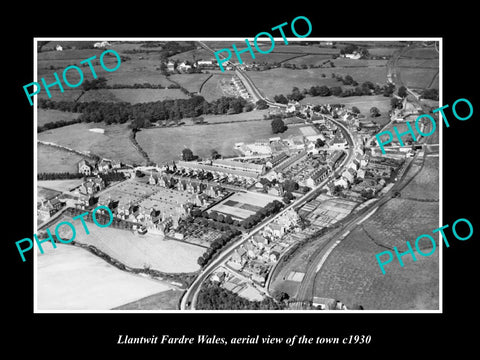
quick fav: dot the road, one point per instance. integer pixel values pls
(190, 297)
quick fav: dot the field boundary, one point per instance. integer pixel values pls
(203, 83)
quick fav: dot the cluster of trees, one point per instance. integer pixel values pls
(351, 48)
(366, 88)
(168, 49)
(278, 126)
(57, 124)
(142, 114)
(430, 94)
(269, 209)
(58, 176)
(214, 297)
(216, 245)
(112, 176)
(309, 66)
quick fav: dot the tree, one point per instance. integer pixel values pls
(261, 104)
(281, 99)
(355, 110)
(395, 103)
(402, 91)
(214, 154)
(278, 126)
(336, 90)
(319, 143)
(290, 185)
(187, 154)
(374, 112)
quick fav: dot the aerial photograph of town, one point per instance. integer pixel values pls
(259, 185)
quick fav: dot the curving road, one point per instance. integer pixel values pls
(189, 299)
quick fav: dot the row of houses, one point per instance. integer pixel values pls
(255, 257)
(89, 168)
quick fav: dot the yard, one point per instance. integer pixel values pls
(71, 278)
(241, 205)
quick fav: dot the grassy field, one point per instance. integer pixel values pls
(315, 60)
(212, 89)
(46, 116)
(418, 63)
(165, 300)
(113, 144)
(191, 82)
(351, 274)
(133, 96)
(425, 186)
(419, 78)
(426, 53)
(51, 159)
(281, 81)
(137, 251)
(59, 185)
(166, 144)
(71, 278)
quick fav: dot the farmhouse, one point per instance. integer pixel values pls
(49, 207)
(92, 185)
(85, 168)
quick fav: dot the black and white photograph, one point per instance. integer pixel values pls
(217, 180)
(268, 181)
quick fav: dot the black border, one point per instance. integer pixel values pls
(92, 333)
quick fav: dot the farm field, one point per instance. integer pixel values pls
(46, 116)
(71, 278)
(418, 63)
(166, 144)
(194, 55)
(315, 60)
(191, 82)
(138, 251)
(113, 144)
(212, 89)
(242, 117)
(281, 81)
(59, 185)
(133, 96)
(400, 220)
(351, 274)
(424, 186)
(419, 78)
(51, 159)
(417, 52)
(165, 300)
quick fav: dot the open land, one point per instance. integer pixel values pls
(166, 144)
(46, 116)
(51, 159)
(113, 144)
(70, 278)
(138, 251)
